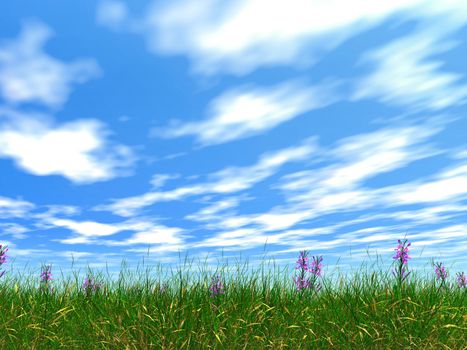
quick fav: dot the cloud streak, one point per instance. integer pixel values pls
(11, 208)
(238, 37)
(404, 74)
(249, 111)
(226, 181)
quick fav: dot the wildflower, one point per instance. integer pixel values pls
(302, 264)
(216, 287)
(402, 252)
(302, 283)
(441, 273)
(46, 276)
(402, 257)
(461, 280)
(315, 268)
(90, 285)
(3, 257)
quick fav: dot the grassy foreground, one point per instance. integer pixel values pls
(368, 311)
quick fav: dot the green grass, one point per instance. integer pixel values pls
(261, 311)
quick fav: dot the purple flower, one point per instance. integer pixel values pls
(441, 273)
(461, 280)
(301, 281)
(402, 252)
(316, 266)
(90, 285)
(402, 257)
(3, 257)
(46, 274)
(216, 287)
(302, 262)
(46, 277)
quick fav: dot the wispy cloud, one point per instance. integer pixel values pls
(238, 37)
(140, 230)
(159, 180)
(15, 230)
(225, 181)
(333, 188)
(357, 159)
(448, 185)
(336, 188)
(78, 150)
(212, 211)
(28, 74)
(87, 228)
(407, 74)
(248, 111)
(10, 208)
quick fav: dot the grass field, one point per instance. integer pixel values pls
(369, 310)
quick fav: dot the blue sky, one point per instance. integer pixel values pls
(204, 127)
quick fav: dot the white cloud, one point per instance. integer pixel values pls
(54, 210)
(405, 74)
(449, 185)
(87, 228)
(77, 150)
(130, 206)
(28, 74)
(229, 180)
(461, 154)
(235, 179)
(319, 192)
(77, 240)
(31, 253)
(357, 159)
(212, 211)
(10, 208)
(11, 228)
(143, 232)
(339, 187)
(244, 112)
(159, 180)
(279, 221)
(238, 37)
(432, 214)
(157, 234)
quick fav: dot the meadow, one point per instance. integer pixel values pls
(304, 309)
